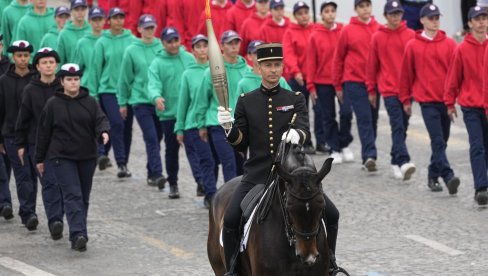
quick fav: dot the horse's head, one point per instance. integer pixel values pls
(304, 201)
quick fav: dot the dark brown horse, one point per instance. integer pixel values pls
(291, 240)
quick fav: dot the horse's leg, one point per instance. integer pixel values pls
(214, 249)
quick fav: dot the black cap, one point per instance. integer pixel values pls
(393, 6)
(96, 12)
(146, 21)
(20, 46)
(253, 45)
(198, 38)
(300, 5)
(70, 70)
(115, 11)
(61, 10)
(169, 33)
(273, 4)
(78, 3)
(229, 36)
(328, 3)
(429, 10)
(476, 11)
(270, 51)
(43, 53)
(357, 2)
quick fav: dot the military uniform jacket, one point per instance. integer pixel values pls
(261, 118)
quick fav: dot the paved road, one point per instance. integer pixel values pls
(387, 227)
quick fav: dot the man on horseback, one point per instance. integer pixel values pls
(262, 118)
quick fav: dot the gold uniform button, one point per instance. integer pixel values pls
(270, 132)
(270, 113)
(270, 126)
(270, 119)
(271, 151)
(270, 106)
(271, 145)
(271, 138)
(270, 99)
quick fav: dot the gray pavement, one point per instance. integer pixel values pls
(387, 227)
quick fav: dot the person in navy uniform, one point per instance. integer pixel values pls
(261, 119)
(70, 127)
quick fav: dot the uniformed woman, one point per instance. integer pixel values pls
(262, 137)
(70, 127)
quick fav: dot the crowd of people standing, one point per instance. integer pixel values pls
(149, 60)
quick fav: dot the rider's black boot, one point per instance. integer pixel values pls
(334, 269)
(230, 238)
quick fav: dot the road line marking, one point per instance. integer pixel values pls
(161, 213)
(435, 245)
(168, 248)
(23, 268)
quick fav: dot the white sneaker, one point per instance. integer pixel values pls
(397, 173)
(407, 170)
(337, 157)
(347, 155)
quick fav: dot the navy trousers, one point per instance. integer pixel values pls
(51, 192)
(152, 134)
(25, 179)
(171, 151)
(5, 197)
(319, 128)
(75, 177)
(224, 151)
(356, 96)
(477, 126)
(202, 164)
(438, 125)
(399, 125)
(338, 136)
(120, 129)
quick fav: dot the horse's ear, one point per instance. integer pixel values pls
(325, 169)
(283, 173)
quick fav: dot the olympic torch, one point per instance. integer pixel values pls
(217, 68)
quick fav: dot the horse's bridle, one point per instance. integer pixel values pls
(291, 232)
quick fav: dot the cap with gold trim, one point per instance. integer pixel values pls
(270, 51)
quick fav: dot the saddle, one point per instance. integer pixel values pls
(251, 200)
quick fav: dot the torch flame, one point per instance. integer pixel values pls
(207, 10)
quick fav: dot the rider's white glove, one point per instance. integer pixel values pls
(224, 117)
(293, 137)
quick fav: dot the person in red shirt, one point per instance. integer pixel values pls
(382, 74)
(423, 75)
(251, 26)
(189, 13)
(349, 72)
(295, 46)
(465, 83)
(242, 10)
(322, 44)
(274, 28)
(219, 9)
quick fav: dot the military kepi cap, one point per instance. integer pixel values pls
(271, 51)
(476, 11)
(43, 53)
(70, 70)
(429, 10)
(20, 46)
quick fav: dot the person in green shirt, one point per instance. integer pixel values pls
(252, 79)
(206, 111)
(74, 30)
(164, 78)
(3, 5)
(106, 64)
(35, 23)
(132, 91)
(198, 151)
(10, 17)
(86, 45)
(50, 39)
